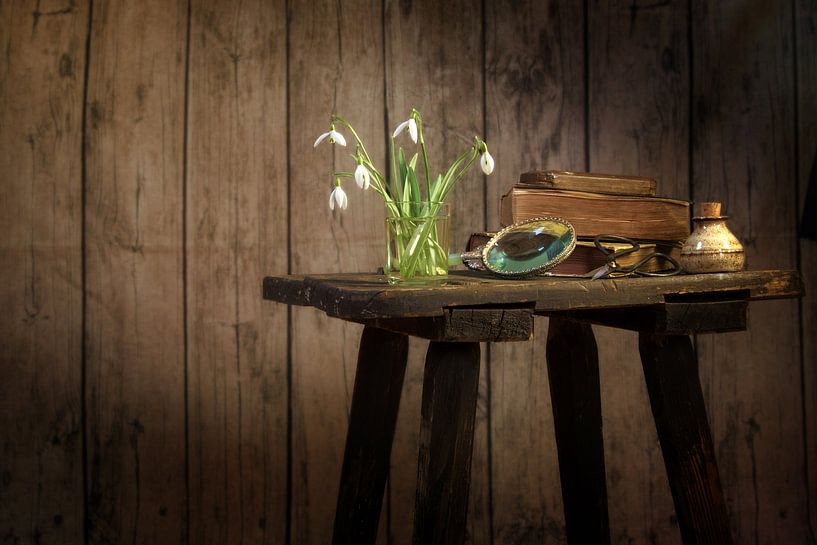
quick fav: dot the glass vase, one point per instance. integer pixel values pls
(417, 242)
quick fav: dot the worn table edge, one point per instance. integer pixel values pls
(365, 296)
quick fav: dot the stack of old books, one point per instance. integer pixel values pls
(598, 204)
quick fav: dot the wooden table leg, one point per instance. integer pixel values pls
(450, 385)
(671, 371)
(573, 374)
(381, 366)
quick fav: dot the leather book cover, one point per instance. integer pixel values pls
(592, 182)
(591, 214)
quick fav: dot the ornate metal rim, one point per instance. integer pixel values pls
(534, 270)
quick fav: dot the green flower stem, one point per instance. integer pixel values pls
(441, 253)
(459, 176)
(394, 174)
(414, 233)
(419, 252)
(376, 174)
(441, 188)
(368, 160)
(378, 189)
(354, 133)
(424, 154)
(426, 168)
(421, 233)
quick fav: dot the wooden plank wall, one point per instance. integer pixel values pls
(156, 161)
(237, 346)
(744, 149)
(638, 86)
(41, 266)
(805, 46)
(325, 42)
(135, 423)
(535, 115)
(447, 36)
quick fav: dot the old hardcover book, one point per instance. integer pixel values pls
(586, 257)
(642, 218)
(591, 182)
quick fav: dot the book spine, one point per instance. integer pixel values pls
(506, 209)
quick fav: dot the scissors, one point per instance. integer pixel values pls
(612, 268)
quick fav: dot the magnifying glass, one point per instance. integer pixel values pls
(525, 248)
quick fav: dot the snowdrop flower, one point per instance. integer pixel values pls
(412, 127)
(338, 196)
(334, 137)
(486, 162)
(362, 176)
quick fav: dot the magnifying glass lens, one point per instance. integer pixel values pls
(532, 246)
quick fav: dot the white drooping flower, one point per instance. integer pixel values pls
(411, 124)
(338, 196)
(486, 162)
(334, 138)
(363, 177)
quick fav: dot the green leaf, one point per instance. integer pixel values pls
(401, 171)
(413, 167)
(414, 193)
(435, 188)
(406, 197)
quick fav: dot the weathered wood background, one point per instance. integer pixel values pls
(156, 161)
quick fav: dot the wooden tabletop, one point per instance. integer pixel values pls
(369, 296)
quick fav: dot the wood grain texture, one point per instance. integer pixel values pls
(480, 498)
(135, 325)
(534, 63)
(752, 69)
(41, 90)
(743, 156)
(433, 61)
(369, 296)
(805, 31)
(335, 66)
(237, 155)
(467, 325)
(638, 124)
(573, 375)
(381, 368)
(671, 318)
(450, 391)
(671, 373)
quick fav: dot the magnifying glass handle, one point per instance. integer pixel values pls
(464, 257)
(472, 260)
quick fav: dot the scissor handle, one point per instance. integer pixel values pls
(677, 268)
(598, 241)
(611, 257)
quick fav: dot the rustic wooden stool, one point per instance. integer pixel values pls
(468, 309)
